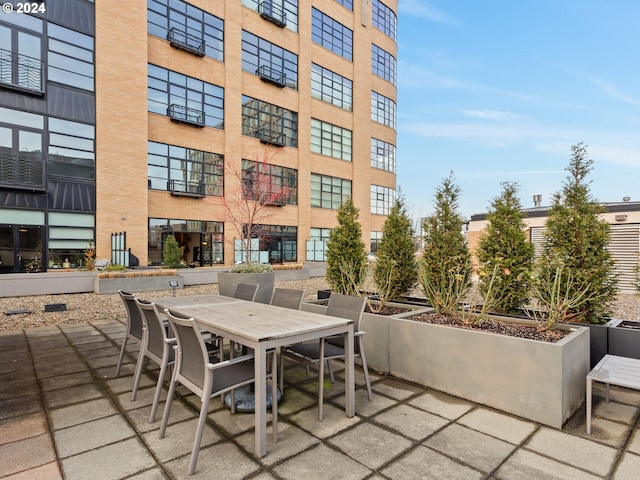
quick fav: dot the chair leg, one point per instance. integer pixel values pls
(330, 368)
(196, 443)
(321, 381)
(364, 368)
(274, 395)
(121, 356)
(136, 377)
(281, 371)
(156, 397)
(167, 406)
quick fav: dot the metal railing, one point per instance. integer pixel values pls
(178, 113)
(186, 189)
(272, 13)
(271, 137)
(271, 75)
(22, 172)
(186, 41)
(21, 71)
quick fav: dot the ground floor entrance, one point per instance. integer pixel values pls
(21, 248)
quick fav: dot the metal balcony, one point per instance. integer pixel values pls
(181, 114)
(184, 41)
(181, 188)
(272, 13)
(271, 137)
(22, 172)
(21, 72)
(271, 75)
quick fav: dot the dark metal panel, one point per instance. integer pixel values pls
(70, 196)
(76, 14)
(71, 104)
(17, 199)
(20, 101)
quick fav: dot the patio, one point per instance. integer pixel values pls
(63, 415)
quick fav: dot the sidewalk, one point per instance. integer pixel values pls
(63, 415)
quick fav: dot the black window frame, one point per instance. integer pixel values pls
(269, 61)
(383, 110)
(385, 151)
(330, 87)
(331, 34)
(332, 191)
(384, 19)
(269, 179)
(332, 141)
(269, 123)
(383, 64)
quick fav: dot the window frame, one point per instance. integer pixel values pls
(331, 34)
(330, 191)
(331, 140)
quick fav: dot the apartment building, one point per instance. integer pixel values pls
(124, 122)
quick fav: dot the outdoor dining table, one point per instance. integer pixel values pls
(264, 327)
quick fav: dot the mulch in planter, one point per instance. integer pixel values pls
(495, 326)
(387, 310)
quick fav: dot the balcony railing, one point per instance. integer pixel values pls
(272, 13)
(271, 75)
(24, 172)
(21, 72)
(179, 39)
(181, 188)
(271, 137)
(181, 114)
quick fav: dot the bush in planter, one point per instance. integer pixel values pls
(346, 259)
(505, 250)
(396, 271)
(251, 267)
(577, 239)
(445, 268)
(171, 252)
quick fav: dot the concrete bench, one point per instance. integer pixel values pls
(612, 370)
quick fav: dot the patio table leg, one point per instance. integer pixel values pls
(589, 385)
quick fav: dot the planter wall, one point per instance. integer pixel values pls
(135, 284)
(228, 281)
(598, 340)
(544, 382)
(624, 342)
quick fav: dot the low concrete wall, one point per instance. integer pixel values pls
(24, 284)
(136, 284)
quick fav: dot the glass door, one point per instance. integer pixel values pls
(20, 248)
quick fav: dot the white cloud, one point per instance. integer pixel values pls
(496, 115)
(421, 9)
(628, 157)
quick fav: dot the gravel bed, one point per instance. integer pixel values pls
(89, 307)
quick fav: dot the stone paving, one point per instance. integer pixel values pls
(63, 415)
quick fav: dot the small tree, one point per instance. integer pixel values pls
(90, 256)
(171, 252)
(346, 258)
(576, 240)
(445, 268)
(505, 248)
(258, 190)
(396, 270)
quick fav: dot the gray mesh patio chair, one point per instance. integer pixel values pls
(206, 380)
(287, 298)
(332, 348)
(134, 325)
(246, 291)
(157, 346)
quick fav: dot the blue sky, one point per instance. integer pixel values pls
(499, 90)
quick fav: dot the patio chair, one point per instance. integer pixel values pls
(156, 346)
(134, 325)
(287, 298)
(246, 291)
(206, 380)
(332, 348)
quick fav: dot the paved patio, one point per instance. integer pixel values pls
(63, 415)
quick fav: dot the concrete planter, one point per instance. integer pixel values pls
(598, 340)
(136, 284)
(540, 381)
(624, 338)
(228, 281)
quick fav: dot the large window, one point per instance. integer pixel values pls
(281, 9)
(271, 62)
(269, 123)
(186, 26)
(21, 64)
(383, 64)
(185, 98)
(185, 171)
(331, 87)
(70, 57)
(331, 34)
(329, 192)
(384, 19)
(382, 199)
(383, 110)
(330, 140)
(383, 155)
(375, 241)
(201, 242)
(346, 3)
(71, 149)
(269, 184)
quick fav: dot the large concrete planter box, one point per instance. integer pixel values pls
(540, 381)
(598, 340)
(624, 338)
(136, 284)
(228, 281)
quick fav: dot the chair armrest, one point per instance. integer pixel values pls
(359, 333)
(226, 363)
(170, 341)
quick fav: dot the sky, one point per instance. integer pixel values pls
(499, 90)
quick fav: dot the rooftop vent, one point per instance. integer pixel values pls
(537, 200)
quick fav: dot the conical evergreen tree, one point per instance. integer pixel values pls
(505, 251)
(171, 252)
(576, 240)
(346, 259)
(396, 266)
